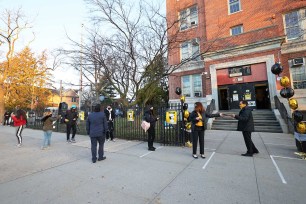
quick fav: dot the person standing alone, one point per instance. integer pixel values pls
(6, 118)
(246, 125)
(71, 118)
(110, 116)
(20, 120)
(96, 126)
(151, 118)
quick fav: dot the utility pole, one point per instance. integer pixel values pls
(81, 70)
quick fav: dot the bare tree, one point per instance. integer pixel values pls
(12, 23)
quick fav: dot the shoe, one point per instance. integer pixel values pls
(68, 141)
(151, 149)
(247, 155)
(43, 148)
(113, 140)
(73, 140)
(100, 159)
(94, 161)
(107, 140)
(203, 156)
(195, 156)
(18, 145)
(256, 152)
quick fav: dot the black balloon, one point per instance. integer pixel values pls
(287, 92)
(185, 106)
(297, 116)
(276, 69)
(178, 90)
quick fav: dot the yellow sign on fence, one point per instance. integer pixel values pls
(130, 115)
(171, 117)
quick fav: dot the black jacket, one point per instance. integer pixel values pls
(245, 120)
(72, 117)
(107, 112)
(194, 115)
(150, 118)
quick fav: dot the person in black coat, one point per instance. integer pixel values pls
(198, 125)
(151, 118)
(110, 116)
(71, 118)
(7, 116)
(246, 125)
(96, 127)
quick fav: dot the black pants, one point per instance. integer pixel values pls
(197, 135)
(69, 127)
(110, 132)
(151, 136)
(94, 141)
(6, 121)
(18, 133)
(248, 142)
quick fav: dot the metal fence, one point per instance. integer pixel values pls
(283, 111)
(166, 134)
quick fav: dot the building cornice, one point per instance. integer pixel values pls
(244, 49)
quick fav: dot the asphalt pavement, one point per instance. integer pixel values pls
(131, 174)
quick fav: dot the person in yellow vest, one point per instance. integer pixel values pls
(198, 126)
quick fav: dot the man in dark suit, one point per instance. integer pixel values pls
(96, 127)
(246, 125)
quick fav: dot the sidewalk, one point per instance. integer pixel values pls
(133, 175)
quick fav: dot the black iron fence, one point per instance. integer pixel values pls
(130, 129)
(283, 112)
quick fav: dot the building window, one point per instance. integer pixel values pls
(192, 85)
(298, 74)
(73, 99)
(188, 18)
(293, 29)
(190, 50)
(237, 30)
(234, 6)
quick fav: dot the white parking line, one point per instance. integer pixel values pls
(208, 160)
(286, 157)
(149, 152)
(278, 170)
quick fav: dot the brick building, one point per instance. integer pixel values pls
(232, 45)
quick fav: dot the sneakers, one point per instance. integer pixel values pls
(195, 156)
(203, 156)
(107, 140)
(43, 148)
(73, 140)
(68, 141)
(113, 140)
(151, 149)
(18, 145)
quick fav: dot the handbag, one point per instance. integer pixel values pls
(145, 125)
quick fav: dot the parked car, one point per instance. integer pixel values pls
(118, 112)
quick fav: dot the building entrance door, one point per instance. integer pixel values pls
(239, 92)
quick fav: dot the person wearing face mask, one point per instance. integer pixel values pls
(198, 125)
(110, 116)
(71, 117)
(246, 125)
(151, 118)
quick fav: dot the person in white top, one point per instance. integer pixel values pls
(110, 116)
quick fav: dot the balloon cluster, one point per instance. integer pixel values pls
(287, 92)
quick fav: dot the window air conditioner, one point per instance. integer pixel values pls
(297, 61)
(193, 23)
(197, 94)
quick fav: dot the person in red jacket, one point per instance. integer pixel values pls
(20, 120)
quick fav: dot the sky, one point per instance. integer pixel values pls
(52, 21)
